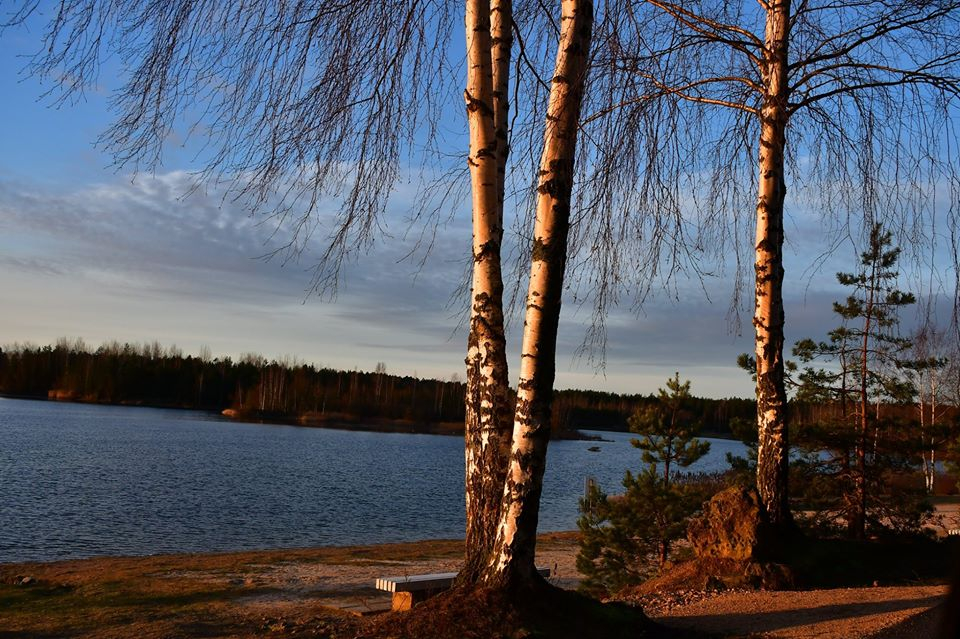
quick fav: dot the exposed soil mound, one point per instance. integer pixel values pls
(715, 573)
(540, 611)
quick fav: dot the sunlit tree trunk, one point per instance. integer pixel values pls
(921, 406)
(772, 450)
(513, 557)
(501, 41)
(488, 409)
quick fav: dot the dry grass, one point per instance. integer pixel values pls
(241, 594)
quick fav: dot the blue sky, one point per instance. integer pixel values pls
(88, 251)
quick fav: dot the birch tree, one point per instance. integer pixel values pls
(854, 104)
(487, 429)
(314, 101)
(308, 102)
(930, 368)
(512, 560)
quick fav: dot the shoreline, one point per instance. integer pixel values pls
(334, 421)
(420, 547)
(329, 591)
(232, 594)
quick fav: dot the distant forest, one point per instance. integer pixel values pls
(289, 390)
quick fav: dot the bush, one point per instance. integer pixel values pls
(626, 538)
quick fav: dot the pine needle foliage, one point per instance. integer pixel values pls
(865, 371)
(627, 538)
(668, 429)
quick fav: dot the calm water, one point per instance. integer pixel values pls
(82, 480)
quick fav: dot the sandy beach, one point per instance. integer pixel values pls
(315, 592)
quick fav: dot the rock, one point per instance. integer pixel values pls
(769, 576)
(714, 583)
(732, 526)
(62, 395)
(736, 548)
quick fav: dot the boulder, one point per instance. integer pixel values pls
(732, 526)
(735, 547)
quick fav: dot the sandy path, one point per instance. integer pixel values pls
(349, 585)
(824, 614)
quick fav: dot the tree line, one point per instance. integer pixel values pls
(151, 374)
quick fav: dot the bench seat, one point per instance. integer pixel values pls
(409, 590)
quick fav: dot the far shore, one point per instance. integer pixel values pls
(342, 421)
(336, 421)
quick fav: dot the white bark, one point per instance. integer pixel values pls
(487, 427)
(768, 320)
(513, 559)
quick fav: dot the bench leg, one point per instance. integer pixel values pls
(407, 600)
(402, 601)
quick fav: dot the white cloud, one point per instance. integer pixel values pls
(139, 260)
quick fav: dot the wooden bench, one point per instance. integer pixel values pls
(410, 590)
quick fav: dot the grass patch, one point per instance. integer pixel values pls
(191, 595)
(22, 597)
(831, 563)
(77, 610)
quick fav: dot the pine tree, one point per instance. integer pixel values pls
(621, 533)
(866, 370)
(668, 429)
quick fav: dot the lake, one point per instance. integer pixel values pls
(82, 480)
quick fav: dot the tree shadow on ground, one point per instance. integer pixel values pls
(925, 624)
(774, 620)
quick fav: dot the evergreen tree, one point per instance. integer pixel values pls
(865, 371)
(626, 538)
(621, 533)
(668, 429)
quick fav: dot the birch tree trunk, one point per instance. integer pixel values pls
(921, 401)
(501, 41)
(768, 319)
(512, 561)
(488, 409)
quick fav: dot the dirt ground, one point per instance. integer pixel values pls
(314, 592)
(907, 612)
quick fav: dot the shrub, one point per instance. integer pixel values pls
(625, 538)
